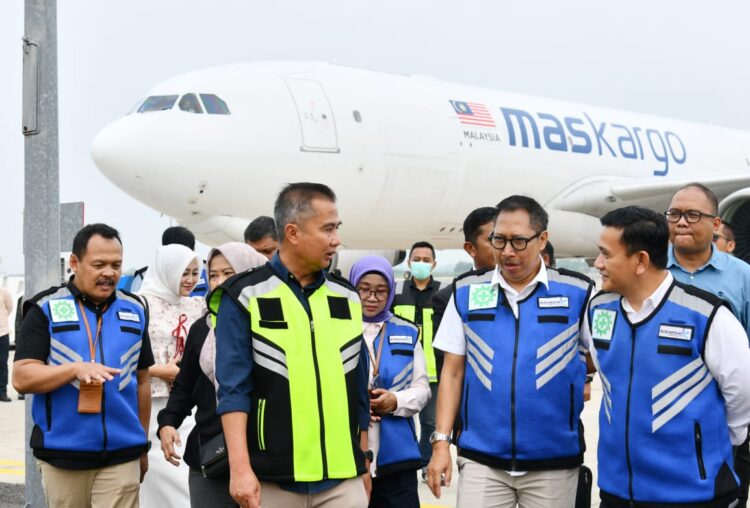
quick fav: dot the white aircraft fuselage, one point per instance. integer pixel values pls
(408, 157)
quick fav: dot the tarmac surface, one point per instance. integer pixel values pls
(12, 446)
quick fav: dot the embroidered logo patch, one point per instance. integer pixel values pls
(399, 339)
(553, 302)
(482, 296)
(63, 311)
(129, 316)
(675, 332)
(602, 324)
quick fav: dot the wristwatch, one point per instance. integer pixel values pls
(439, 436)
(369, 455)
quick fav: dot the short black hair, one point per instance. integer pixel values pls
(294, 203)
(714, 202)
(537, 214)
(423, 245)
(260, 228)
(81, 240)
(179, 235)
(643, 229)
(550, 251)
(728, 231)
(475, 220)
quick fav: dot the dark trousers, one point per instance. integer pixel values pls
(4, 346)
(209, 492)
(395, 490)
(427, 426)
(742, 467)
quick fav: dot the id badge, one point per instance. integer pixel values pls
(90, 398)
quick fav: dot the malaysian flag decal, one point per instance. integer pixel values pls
(473, 113)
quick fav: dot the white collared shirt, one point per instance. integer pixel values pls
(450, 336)
(727, 356)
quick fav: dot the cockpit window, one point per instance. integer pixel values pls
(158, 103)
(214, 105)
(189, 103)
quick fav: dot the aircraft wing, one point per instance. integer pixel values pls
(599, 195)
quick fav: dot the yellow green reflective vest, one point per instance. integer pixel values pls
(302, 424)
(406, 307)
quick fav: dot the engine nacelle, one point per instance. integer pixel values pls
(735, 209)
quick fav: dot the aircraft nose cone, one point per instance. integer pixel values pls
(118, 151)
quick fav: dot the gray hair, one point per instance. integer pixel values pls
(294, 203)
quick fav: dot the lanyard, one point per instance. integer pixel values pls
(92, 342)
(376, 361)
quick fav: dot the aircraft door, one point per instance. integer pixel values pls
(315, 115)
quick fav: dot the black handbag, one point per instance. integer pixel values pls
(585, 485)
(214, 458)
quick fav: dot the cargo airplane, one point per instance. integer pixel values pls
(408, 156)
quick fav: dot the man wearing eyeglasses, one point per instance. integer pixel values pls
(513, 373)
(693, 259)
(724, 238)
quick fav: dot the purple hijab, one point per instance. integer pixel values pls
(379, 265)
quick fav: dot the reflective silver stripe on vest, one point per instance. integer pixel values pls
(557, 340)
(262, 351)
(678, 390)
(350, 356)
(681, 297)
(62, 348)
(554, 275)
(474, 279)
(269, 351)
(471, 336)
(676, 376)
(128, 298)
(60, 293)
(132, 351)
(557, 368)
(257, 290)
(681, 403)
(270, 365)
(480, 375)
(557, 354)
(403, 379)
(486, 365)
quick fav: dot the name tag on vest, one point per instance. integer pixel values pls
(553, 302)
(399, 339)
(63, 311)
(482, 296)
(675, 332)
(129, 316)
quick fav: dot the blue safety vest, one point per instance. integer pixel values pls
(663, 434)
(201, 288)
(523, 388)
(59, 429)
(399, 448)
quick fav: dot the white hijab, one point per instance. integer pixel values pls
(162, 279)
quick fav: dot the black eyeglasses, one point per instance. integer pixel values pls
(691, 216)
(717, 236)
(380, 294)
(517, 242)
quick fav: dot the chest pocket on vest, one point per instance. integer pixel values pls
(553, 319)
(66, 328)
(481, 316)
(271, 313)
(339, 307)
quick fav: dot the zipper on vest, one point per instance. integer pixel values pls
(320, 400)
(513, 398)
(104, 411)
(699, 450)
(627, 418)
(572, 403)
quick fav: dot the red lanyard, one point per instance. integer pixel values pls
(92, 342)
(179, 333)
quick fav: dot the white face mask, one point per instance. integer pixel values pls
(420, 270)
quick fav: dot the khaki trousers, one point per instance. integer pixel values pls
(481, 486)
(347, 494)
(108, 487)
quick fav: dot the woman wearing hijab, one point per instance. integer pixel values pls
(166, 289)
(194, 386)
(399, 387)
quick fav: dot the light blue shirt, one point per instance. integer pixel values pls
(723, 275)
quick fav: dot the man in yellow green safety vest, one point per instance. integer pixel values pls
(413, 301)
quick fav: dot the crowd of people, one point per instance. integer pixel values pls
(280, 383)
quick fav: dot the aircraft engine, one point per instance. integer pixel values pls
(735, 209)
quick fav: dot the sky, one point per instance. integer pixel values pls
(680, 59)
